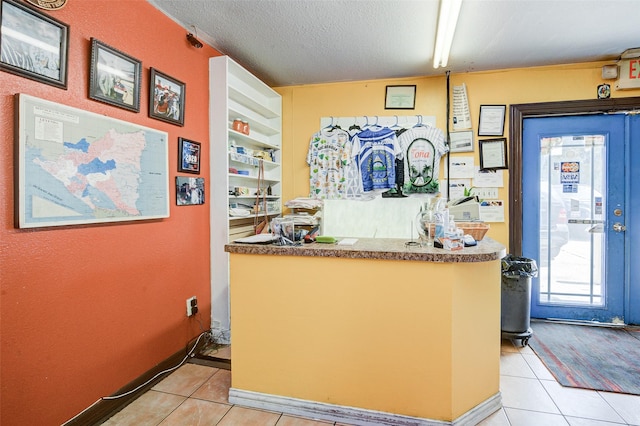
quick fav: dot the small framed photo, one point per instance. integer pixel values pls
(166, 98)
(491, 120)
(189, 191)
(461, 141)
(493, 154)
(188, 156)
(400, 97)
(33, 45)
(114, 77)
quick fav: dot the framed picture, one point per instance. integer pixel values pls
(491, 120)
(166, 98)
(114, 77)
(132, 161)
(493, 154)
(189, 191)
(400, 97)
(188, 156)
(32, 44)
(461, 141)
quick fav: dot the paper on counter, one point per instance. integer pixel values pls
(347, 241)
(256, 239)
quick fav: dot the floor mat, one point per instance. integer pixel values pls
(588, 357)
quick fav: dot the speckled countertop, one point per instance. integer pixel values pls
(379, 248)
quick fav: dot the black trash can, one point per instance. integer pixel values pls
(515, 319)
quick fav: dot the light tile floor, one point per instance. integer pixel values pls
(196, 394)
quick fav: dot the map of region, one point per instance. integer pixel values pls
(78, 167)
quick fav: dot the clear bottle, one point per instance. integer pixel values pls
(440, 223)
(451, 227)
(425, 226)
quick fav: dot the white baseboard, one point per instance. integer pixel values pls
(352, 415)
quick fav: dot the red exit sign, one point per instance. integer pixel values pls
(629, 74)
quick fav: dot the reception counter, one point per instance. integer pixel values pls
(376, 332)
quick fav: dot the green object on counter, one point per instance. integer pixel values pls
(325, 239)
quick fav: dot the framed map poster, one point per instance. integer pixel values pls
(75, 167)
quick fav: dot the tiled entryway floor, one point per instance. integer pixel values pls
(198, 395)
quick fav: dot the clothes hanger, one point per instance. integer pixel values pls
(398, 128)
(376, 126)
(332, 126)
(329, 126)
(355, 126)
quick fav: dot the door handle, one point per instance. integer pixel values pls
(618, 227)
(597, 228)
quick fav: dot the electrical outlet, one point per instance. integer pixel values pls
(192, 306)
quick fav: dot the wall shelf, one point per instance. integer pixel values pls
(236, 93)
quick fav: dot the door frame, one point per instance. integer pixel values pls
(518, 112)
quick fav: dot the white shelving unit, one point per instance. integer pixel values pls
(236, 93)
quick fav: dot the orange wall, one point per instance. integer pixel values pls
(85, 310)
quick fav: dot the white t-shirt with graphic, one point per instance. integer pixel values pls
(422, 147)
(329, 154)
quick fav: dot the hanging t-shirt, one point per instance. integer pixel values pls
(375, 151)
(328, 155)
(422, 147)
(353, 185)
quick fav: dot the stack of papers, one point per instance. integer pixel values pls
(256, 239)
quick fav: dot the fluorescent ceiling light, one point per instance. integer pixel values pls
(447, 20)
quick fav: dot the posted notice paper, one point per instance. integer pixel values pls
(461, 114)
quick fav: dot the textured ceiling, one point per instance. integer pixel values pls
(291, 42)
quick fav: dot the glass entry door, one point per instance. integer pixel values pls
(574, 215)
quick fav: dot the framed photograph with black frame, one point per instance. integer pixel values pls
(166, 98)
(114, 77)
(491, 121)
(188, 156)
(189, 191)
(493, 154)
(400, 97)
(32, 44)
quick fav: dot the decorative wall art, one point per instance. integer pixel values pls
(48, 4)
(166, 98)
(461, 141)
(189, 191)
(400, 97)
(188, 156)
(114, 77)
(491, 120)
(493, 154)
(77, 167)
(32, 44)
